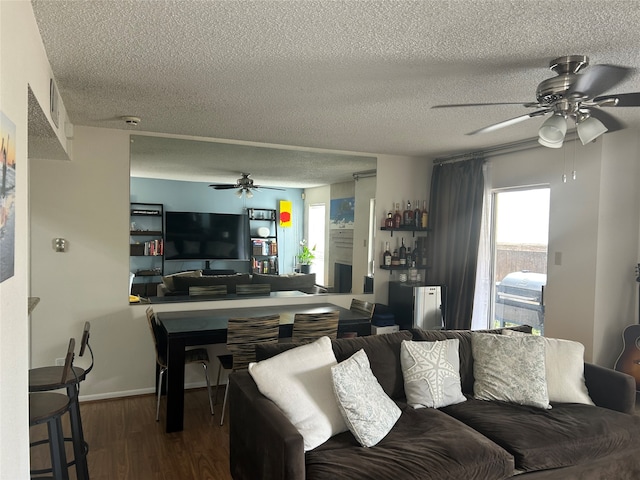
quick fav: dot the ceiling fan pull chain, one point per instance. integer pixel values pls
(564, 165)
(573, 172)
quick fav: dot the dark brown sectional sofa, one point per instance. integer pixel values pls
(476, 439)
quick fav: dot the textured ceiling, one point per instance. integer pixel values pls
(350, 76)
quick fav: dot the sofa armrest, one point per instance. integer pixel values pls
(262, 442)
(610, 389)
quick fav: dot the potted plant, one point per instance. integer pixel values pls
(306, 256)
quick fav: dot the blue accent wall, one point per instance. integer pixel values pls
(181, 196)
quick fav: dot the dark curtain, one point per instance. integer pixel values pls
(455, 212)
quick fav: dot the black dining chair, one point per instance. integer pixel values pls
(195, 355)
(308, 327)
(243, 334)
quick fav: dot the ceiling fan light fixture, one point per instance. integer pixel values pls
(249, 194)
(239, 193)
(553, 129)
(544, 143)
(590, 129)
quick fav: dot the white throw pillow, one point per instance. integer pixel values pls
(431, 372)
(299, 382)
(367, 410)
(564, 366)
(510, 369)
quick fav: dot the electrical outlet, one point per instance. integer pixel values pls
(60, 362)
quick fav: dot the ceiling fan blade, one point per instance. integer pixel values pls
(608, 120)
(268, 188)
(223, 187)
(511, 121)
(524, 104)
(624, 99)
(598, 79)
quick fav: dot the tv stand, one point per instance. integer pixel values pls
(213, 271)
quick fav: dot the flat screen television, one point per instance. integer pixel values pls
(206, 236)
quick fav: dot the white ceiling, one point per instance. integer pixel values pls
(350, 76)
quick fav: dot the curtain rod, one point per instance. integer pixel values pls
(364, 174)
(503, 149)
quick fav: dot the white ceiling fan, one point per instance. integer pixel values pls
(244, 185)
(571, 95)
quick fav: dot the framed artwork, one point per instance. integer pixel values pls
(7, 197)
(341, 213)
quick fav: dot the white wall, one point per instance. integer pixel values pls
(593, 226)
(23, 63)
(398, 179)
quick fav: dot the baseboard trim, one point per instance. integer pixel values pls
(132, 393)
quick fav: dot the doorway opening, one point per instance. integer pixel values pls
(519, 249)
(316, 224)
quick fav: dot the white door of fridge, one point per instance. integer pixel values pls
(427, 308)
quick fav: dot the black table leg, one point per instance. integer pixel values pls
(175, 385)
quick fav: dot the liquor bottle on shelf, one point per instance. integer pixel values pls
(397, 217)
(395, 259)
(413, 273)
(407, 216)
(388, 222)
(417, 214)
(424, 215)
(402, 253)
(416, 253)
(409, 255)
(386, 256)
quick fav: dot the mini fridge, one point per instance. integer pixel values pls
(418, 306)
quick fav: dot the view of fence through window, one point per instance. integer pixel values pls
(520, 240)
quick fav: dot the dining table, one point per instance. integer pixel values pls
(205, 327)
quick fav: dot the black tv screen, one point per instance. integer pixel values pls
(206, 236)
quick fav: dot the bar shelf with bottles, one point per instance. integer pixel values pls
(403, 258)
(409, 220)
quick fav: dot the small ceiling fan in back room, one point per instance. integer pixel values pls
(573, 94)
(244, 185)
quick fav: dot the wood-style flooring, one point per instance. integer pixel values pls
(126, 442)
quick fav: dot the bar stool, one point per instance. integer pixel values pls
(47, 407)
(45, 379)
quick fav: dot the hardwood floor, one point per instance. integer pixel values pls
(126, 443)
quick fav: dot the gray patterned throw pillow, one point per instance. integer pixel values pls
(431, 372)
(367, 410)
(510, 369)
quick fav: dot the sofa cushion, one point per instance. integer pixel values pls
(564, 366)
(291, 281)
(464, 349)
(368, 412)
(299, 383)
(183, 283)
(431, 372)
(383, 352)
(424, 440)
(168, 279)
(567, 434)
(510, 369)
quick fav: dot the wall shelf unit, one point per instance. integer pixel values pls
(264, 240)
(406, 229)
(146, 247)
